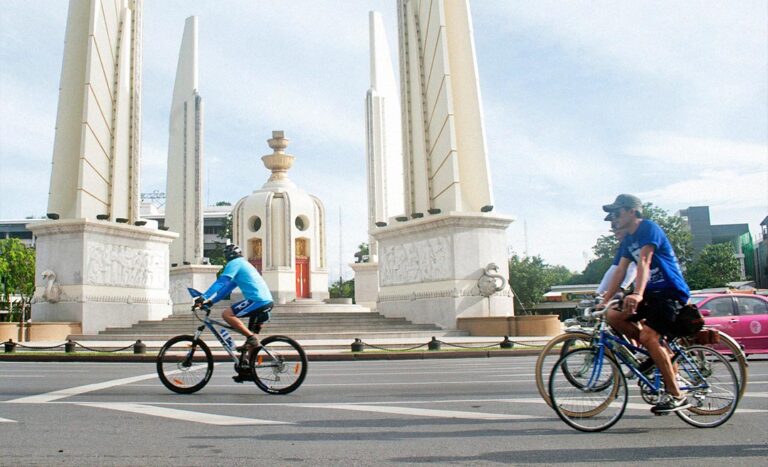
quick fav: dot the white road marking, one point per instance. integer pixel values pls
(61, 394)
(2, 375)
(69, 392)
(419, 383)
(5, 420)
(418, 412)
(184, 415)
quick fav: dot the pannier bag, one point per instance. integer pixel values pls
(707, 337)
(689, 321)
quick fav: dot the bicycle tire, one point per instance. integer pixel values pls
(542, 370)
(585, 409)
(720, 397)
(177, 368)
(735, 350)
(290, 365)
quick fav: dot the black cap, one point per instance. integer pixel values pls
(624, 201)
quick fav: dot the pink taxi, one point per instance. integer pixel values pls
(742, 316)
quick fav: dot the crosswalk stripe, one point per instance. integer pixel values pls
(185, 415)
(418, 412)
(5, 420)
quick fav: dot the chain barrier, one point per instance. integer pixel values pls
(358, 345)
(70, 345)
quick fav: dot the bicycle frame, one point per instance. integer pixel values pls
(211, 324)
(608, 340)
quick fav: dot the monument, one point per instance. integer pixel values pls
(384, 160)
(433, 260)
(109, 268)
(184, 182)
(281, 230)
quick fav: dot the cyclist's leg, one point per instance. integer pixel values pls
(231, 318)
(649, 337)
(622, 322)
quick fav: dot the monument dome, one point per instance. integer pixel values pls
(281, 230)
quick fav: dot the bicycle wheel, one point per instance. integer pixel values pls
(713, 389)
(547, 359)
(728, 345)
(184, 365)
(279, 366)
(587, 407)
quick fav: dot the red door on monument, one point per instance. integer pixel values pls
(302, 278)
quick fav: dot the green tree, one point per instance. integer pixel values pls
(530, 278)
(217, 255)
(342, 289)
(715, 266)
(363, 250)
(223, 203)
(17, 275)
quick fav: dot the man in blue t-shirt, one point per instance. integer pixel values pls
(660, 291)
(258, 302)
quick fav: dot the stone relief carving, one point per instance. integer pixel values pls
(178, 291)
(52, 292)
(124, 266)
(418, 261)
(491, 281)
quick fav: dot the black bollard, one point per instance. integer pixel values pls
(69, 346)
(506, 343)
(357, 346)
(10, 346)
(139, 347)
(434, 344)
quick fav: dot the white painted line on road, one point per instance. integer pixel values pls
(61, 394)
(184, 415)
(5, 420)
(2, 375)
(418, 412)
(69, 392)
(418, 383)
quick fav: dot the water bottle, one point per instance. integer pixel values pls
(228, 341)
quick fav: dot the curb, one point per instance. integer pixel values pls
(330, 357)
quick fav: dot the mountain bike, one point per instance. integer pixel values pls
(185, 362)
(588, 389)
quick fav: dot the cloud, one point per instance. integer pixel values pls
(700, 153)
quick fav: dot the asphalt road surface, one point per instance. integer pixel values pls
(479, 411)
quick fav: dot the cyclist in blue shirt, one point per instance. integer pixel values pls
(257, 304)
(629, 277)
(660, 291)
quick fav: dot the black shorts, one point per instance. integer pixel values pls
(659, 312)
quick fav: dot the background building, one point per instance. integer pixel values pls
(704, 233)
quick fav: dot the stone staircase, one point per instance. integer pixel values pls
(305, 321)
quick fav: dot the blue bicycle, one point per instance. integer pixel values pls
(185, 363)
(588, 388)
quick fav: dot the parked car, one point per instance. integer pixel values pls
(742, 316)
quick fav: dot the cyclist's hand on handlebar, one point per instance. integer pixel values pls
(201, 302)
(631, 302)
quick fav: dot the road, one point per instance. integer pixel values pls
(480, 411)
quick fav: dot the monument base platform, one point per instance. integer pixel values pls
(100, 273)
(431, 268)
(196, 276)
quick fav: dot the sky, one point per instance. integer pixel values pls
(582, 101)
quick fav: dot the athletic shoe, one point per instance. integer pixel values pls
(671, 404)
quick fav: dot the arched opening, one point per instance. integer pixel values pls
(302, 268)
(254, 253)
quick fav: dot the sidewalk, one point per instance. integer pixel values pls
(317, 350)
